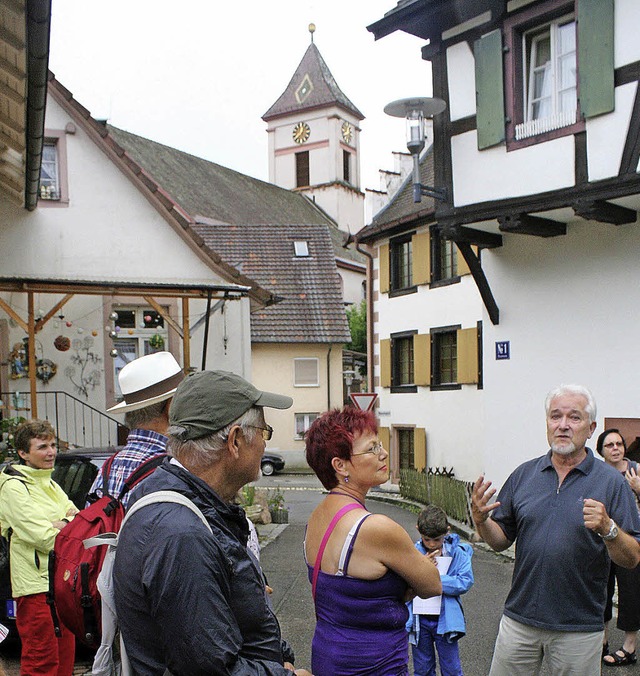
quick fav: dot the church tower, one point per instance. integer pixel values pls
(314, 141)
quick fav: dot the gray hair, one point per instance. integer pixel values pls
(590, 408)
(143, 416)
(205, 451)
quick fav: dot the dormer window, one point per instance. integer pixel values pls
(301, 249)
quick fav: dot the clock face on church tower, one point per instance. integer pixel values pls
(301, 132)
(347, 132)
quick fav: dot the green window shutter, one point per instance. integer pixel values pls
(421, 252)
(420, 448)
(383, 263)
(467, 342)
(595, 57)
(489, 89)
(385, 363)
(422, 359)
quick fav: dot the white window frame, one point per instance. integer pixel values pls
(557, 117)
(306, 419)
(299, 361)
(301, 248)
(140, 335)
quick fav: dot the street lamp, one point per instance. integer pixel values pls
(415, 110)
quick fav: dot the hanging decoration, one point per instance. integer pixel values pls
(156, 342)
(62, 343)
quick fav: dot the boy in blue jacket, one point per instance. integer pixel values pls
(441, 631)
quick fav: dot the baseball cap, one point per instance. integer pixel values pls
(208, 401)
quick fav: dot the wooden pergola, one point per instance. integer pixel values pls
(150, 291)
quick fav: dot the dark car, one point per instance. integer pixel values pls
(272, 462)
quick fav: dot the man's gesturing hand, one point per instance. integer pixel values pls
(480, 498)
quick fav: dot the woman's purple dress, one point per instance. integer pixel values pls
(360, 627)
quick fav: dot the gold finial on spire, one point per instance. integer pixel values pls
(312, 30)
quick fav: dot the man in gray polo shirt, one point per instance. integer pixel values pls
(570, 514)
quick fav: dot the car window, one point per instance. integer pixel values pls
(75, 477)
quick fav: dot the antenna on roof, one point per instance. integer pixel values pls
(312, 30)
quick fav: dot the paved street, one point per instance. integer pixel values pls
(283, 562)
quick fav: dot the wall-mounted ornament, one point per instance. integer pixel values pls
(62, 343)
(45, 370)
(18, 362)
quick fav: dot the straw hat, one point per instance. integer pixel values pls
(148, 380)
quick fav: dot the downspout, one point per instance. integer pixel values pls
(369, 258)
(329, 378)
(205, 341)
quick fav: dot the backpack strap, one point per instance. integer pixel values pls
(142, 472)
(149, 499)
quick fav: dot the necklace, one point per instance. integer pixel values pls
(348, 496)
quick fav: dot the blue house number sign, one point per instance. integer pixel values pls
(502, 349)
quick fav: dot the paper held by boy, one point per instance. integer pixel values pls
(431, 606)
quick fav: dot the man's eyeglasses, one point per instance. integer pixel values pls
(376, 449)
(267, 432)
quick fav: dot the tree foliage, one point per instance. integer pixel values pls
(357, 316)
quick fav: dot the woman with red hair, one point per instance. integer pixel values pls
(362, 566)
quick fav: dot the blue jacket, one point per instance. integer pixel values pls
(457, 581)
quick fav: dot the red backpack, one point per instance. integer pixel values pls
(73, 570)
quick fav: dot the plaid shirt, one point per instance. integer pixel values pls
(141, 445)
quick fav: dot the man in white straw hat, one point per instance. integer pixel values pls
(147, 385)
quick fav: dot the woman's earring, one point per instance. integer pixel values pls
(346, 479)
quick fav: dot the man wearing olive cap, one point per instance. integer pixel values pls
(189, 602)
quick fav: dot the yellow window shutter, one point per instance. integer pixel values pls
(467, 355)
(421, 252)
(463, 268)
(422, 359)
(383, 268)
(385, 362)
(420, 448)
(385, 437)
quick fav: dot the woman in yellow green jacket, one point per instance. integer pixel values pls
(33, 510)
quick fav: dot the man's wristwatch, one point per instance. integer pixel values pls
(613, 532)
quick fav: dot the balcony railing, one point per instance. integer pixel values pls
(77, 424)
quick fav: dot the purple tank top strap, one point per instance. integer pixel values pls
(316, 568)
(353, 541)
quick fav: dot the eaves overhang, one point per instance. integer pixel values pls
(427, 19)
(373, 232)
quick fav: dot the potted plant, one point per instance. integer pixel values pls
(277, 508)
(248, 502)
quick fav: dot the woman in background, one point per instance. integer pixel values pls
(362, 566)
(612, 448)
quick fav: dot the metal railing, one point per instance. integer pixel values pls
(439, 486)
(77, 424)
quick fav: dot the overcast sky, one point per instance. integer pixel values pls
(199, 74)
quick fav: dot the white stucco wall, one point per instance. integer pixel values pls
(567, 306)
(450, 441)
(462, 90)
(626, 22)
(491, 174)
(606, 135)
(108, 231)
